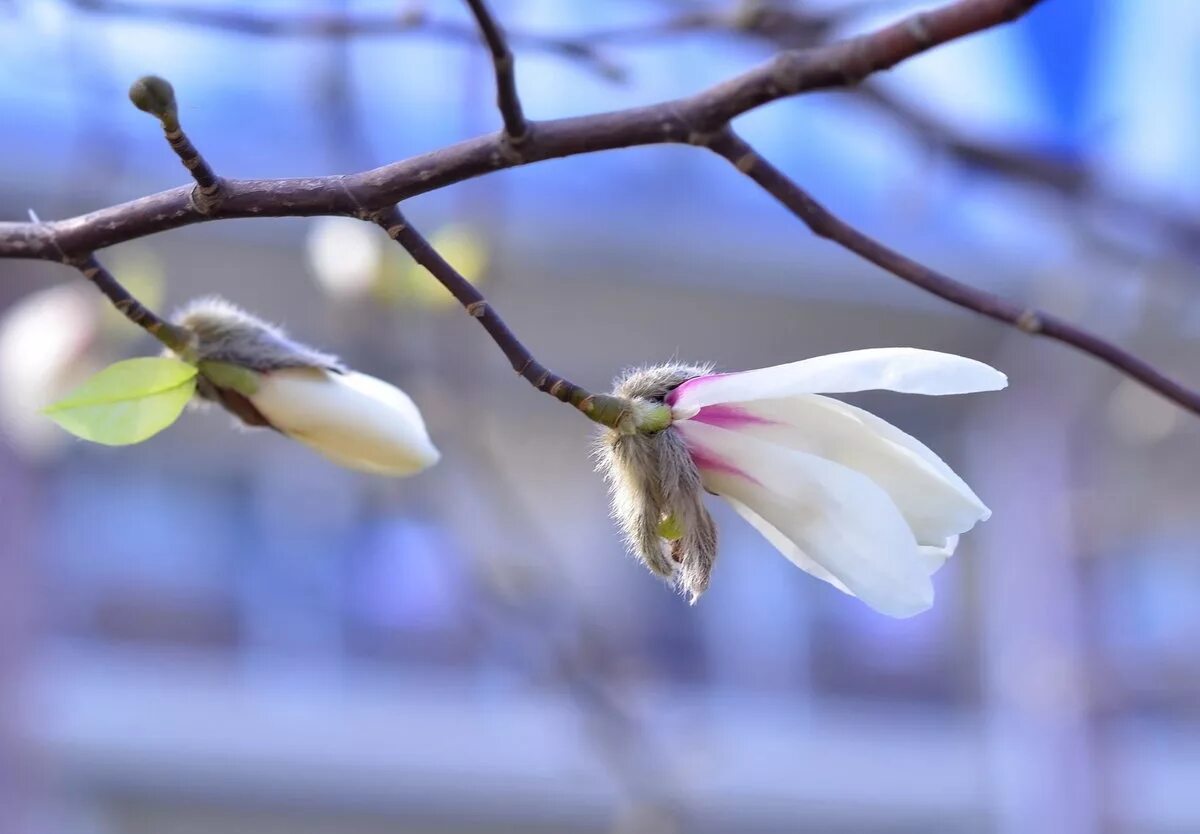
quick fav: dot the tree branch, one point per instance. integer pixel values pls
(507, 98)
(689, 119)
(602, 408)
(792, 27)
(701, 119)
(824, 224)
(169, 334)
(779, 25)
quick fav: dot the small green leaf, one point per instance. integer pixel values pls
(127, 402)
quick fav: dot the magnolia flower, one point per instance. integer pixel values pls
(842, 494)
(266, 379)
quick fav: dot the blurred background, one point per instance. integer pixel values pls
(217, 631)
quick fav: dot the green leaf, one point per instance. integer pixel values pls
(127, 402)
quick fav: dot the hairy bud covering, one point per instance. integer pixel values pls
(224, 332)
(657, 497)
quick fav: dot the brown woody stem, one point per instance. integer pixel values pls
(602, 408)
(507, 98)
(173, 336)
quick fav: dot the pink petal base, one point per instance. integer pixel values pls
(688, 385)
(706, 459)
(729, 417)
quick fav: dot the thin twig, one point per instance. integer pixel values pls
(345, 26)
(156, 96)
(507, 97)
(169, 334)
(1035, 322)
(602, 408)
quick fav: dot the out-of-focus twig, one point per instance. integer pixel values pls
(783, 25)
(414, 20)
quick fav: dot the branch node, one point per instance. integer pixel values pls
(477, 309)
(1029, 321)
(918, 27)
(207, 199)
(704, 138)
(746, 162)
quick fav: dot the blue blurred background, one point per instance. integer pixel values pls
(217, 631)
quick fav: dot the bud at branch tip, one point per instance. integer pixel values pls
(155, 96)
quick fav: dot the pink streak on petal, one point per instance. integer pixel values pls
(710, 460)
(687, 385)
(729, 417)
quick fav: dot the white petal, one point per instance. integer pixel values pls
(353, 419)
(785, 545)
(934, 501)
(934, 556)
(907, 370)
(832, 515)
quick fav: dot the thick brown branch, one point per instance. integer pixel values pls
(170, 335)
(602, 408)
(683, 120)
(507, 97)
(1035, 322)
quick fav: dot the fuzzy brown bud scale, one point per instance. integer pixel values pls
(655, 486)
(223, 334)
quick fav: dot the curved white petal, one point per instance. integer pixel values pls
(832, 515)
(907, 370)
(785, 545)
(935, 502)
(353, 419)
(934, 556)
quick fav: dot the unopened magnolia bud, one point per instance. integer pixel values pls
(155, 96)
(266, 379)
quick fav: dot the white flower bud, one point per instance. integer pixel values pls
(353, 419)
(266, 379)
